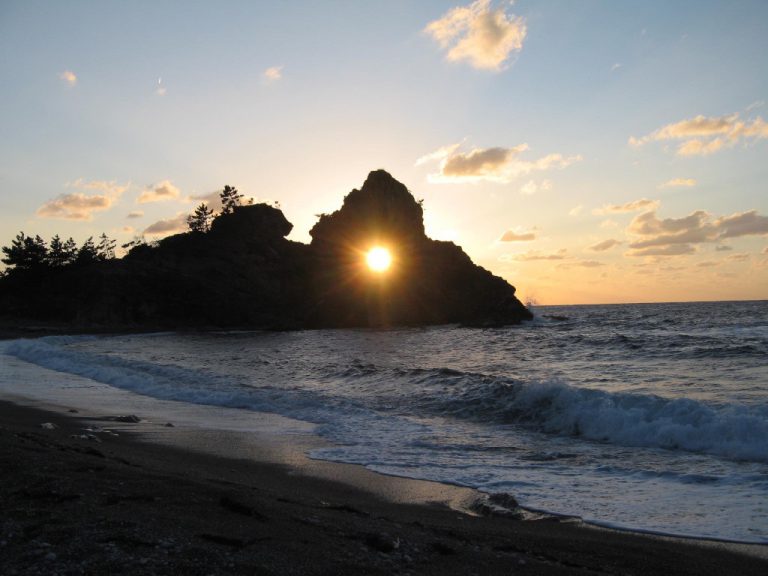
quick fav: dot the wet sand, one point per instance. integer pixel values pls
(106, 504)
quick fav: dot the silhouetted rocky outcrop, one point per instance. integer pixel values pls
(430, 282)
(245, 273)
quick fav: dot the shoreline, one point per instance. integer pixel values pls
(147, 507)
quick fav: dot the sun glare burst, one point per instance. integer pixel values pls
(378, 259)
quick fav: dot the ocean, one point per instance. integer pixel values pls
(650, 417)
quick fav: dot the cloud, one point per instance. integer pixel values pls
(159, 192)
(576, 210)
(679, 183)
(135, 214)
(81, 206)
(616, 66)
(722, 248)
(609, 224)
(69, 78)
(128, 229)
(212, 200)
(479, 34)
(605, 245)
(76, 206)
(533, 255)
(589, 264)
(741, 257)
(707, 264)
(674, 250)
(272, 74)
(701, 135)
(160, 91)
(634, 206)
(742, 224)
(110, 188)
(490, 164)
(696, 228)
(582, 264)
(531, 187)
(168, 226)
(512, 236)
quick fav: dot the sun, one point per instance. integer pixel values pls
(378, 259)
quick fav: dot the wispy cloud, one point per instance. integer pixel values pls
(160, 90)
(489, 164)
(272, 74)
(679, 183)
(108, 187)
(702, 135)
(514, 236)
(582, 264)
(480, 34)
(135, 214)
(533, 255)
(69, 78)
(532, 187)
(576, 210)
(672, 250)
(79, 205)
(168, 226)
(634, 206)
(213, 199)
(605, 245)
(160, 192)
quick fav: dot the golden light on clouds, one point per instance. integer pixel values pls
(497, 164)
(702, 135)
(479, 34)
(272, 74)
(69, 78)
(160, 192)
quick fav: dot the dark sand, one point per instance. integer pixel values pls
(127, 506)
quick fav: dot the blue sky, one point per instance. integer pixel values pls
(555, 120)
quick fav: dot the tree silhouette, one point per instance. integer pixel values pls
(88, 252)
(106, 248)
(230, 199)
(61, 253)
(201, 220)
(25, 252)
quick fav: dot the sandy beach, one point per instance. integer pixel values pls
(92, 502)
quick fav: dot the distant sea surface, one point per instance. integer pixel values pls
(648, 416)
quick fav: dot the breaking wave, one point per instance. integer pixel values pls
(730, 430)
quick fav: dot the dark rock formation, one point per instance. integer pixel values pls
(430, 282)
(245, 273)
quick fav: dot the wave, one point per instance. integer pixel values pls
(734, 431)
(730, 430)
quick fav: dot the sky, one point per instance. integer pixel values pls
(596, 151)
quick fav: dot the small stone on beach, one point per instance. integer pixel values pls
(130, 418)
(48, 426)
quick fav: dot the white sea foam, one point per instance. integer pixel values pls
(730, 430)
